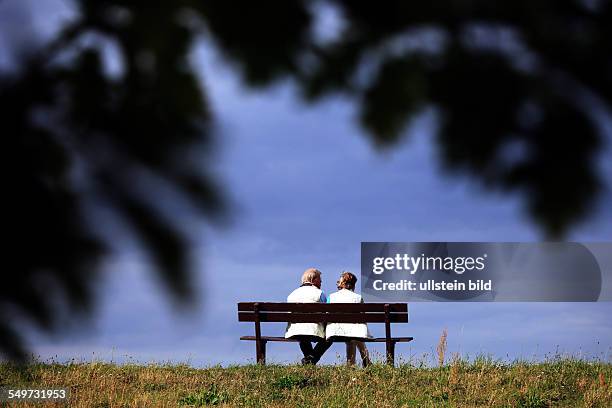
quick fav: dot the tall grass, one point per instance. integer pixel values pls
(441, 348)
(481, 381)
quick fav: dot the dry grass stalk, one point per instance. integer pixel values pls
(454, 370)
(441, 349)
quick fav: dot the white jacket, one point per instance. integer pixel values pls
(306, 294)
(359, 330)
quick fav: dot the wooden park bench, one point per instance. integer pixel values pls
(387, 313)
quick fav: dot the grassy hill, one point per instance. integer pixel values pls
(482, 382)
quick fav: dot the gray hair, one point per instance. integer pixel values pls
(310, 274)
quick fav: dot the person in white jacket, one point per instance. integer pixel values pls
(350, 331)
(309, 292)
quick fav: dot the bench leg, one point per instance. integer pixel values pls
(390, 344)
(391, 353)
(260, 349)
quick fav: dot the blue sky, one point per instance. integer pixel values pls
(306, 187)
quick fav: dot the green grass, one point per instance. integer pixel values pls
(211, 396)
(461, 383)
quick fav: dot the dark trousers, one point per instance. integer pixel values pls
(319, 349)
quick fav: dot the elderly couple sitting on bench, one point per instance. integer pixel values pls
(307, 333)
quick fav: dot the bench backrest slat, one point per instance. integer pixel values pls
(323, 307)
(323, 317)
(322, 312)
